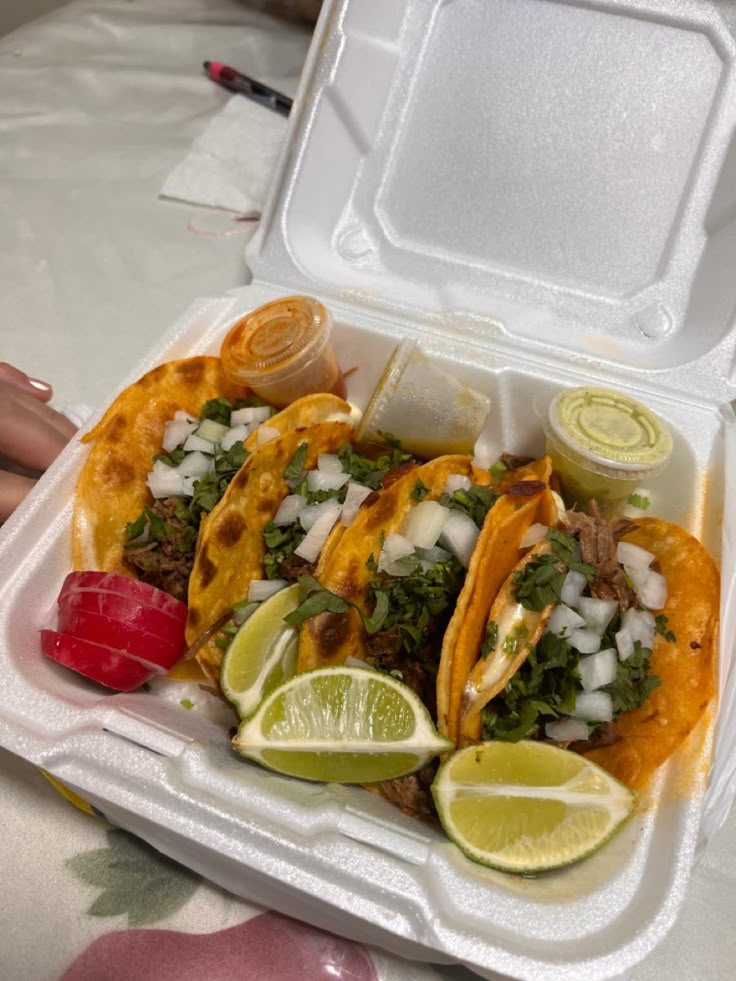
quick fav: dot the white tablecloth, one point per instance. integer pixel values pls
(97, 103)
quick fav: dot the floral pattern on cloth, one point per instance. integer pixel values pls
(268, 947)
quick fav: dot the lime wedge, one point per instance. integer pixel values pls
(262, 654)
(341, 725)
(528, 806)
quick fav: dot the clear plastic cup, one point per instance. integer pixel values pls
(429, 410)
(282, 351)
(603, 445)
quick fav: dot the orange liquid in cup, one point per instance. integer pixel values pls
(282, 351)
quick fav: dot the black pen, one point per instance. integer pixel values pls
(249, 87)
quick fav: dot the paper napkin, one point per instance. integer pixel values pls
(230, 165)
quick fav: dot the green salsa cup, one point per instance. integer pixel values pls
(603, 444)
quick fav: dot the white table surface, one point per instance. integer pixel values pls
(97, 103)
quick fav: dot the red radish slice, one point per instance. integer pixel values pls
(102, 664)
(127, 612)
(125, 637)
(111, 582)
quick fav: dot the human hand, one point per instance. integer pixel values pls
(31, 437)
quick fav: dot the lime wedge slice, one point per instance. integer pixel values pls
(528, 806)
(341, 725)
(262, 654)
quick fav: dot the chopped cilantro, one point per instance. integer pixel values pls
(490, 639)
(420, 491)
(660, 626)
(514, 639)
(539, 583)
(639, 501)
(567, 550)
(172, 459)
(186, 703)
(497, 470)
(296, 465)
(476, 502)
(371, 471)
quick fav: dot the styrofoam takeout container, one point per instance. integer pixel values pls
(544, 195)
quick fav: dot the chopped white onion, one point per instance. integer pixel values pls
(241, 613)
(598, 670)
(459, 535)
(311, 545)
(289, 510)
(456, 482)
(329, 462)
(484, 453)
(196, 443)
(188, 484)
(585, 641)
(195, 465)
(433, 555)
(624, 644)
(572, 587)
(310, 515)
(633, 556)
(355, 496)
(355, 662)
(564, 621)
(534, 533)
(264, 434)
(424, 523)
(392, 560)
(326, 480)
(237, 434)
(181, 414)
(653, 591)
(640, 625)
(567, 730)
(560, 508)
(166, 483)
(595, 706)
(597, 613)
(251, 415)
(260, 589)
(176, 431)
(212, 431)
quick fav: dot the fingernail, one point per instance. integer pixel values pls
(40, 385)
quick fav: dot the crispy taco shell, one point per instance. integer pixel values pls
(330, 638)
(491, 674)
(111, 490)
(495, 555)
(230, 547)
(686, 667)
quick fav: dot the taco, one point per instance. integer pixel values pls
(162, 457)
(601, 639)
(287, 508)
(111, 490)
(387, 593)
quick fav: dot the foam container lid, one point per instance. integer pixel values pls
(543, 194)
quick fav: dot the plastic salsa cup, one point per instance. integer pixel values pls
(428, 409)
(603, 444)
(282, 351)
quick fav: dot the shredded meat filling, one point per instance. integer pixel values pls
(168, 564)
(412, 793)
(598, 541)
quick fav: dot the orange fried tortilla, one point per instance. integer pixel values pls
(230, 547)
(495, 555)
(111, 490)
(686, 667)
(330, 638)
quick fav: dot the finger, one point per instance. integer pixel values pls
(40, 390)
(29, 439)
(13, 488)
(14, 401)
